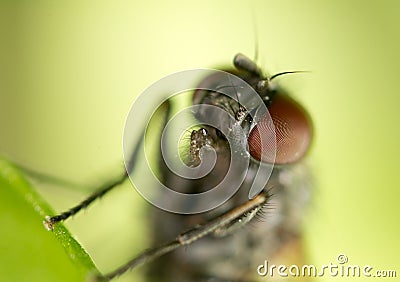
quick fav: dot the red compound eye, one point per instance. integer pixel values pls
(293, 132)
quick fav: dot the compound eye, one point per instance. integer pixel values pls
(293, 131)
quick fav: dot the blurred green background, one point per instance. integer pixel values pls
(70, 71)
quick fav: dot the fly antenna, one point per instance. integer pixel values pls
(283, 73)
(236, 93)
(255, 34)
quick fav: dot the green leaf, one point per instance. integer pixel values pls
(28, 252)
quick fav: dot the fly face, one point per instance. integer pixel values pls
(233, 251)
(242, 117)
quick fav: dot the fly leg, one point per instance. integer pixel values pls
(50, 221)
(211, 227)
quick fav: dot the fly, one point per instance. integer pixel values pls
(213, 245)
